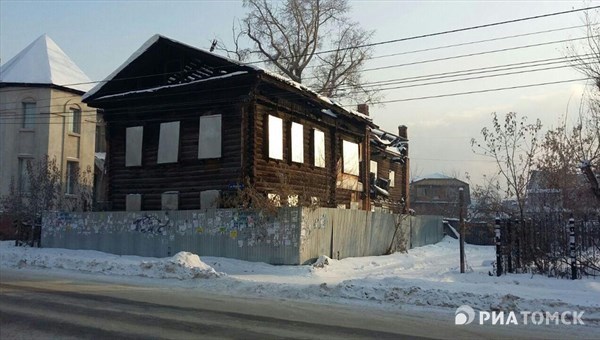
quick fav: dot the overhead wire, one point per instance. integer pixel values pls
(410, 38)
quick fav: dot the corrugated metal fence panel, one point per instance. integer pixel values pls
(225, 232)
(426, 230)
(294, 236)
(354, 233)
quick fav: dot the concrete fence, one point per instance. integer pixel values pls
(293, 236)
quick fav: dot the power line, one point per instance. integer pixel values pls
(428, 35)
(381, 84)
(472, 54)
(476, 42)
(478, 91)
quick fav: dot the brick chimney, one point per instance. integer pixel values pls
(363, 108)
(403, 131)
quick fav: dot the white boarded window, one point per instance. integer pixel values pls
(319, 151)
(351, 159)
(297, 143)
(209, 142)
(392, 178)
(275, 137)
(133, 146)
(373, 166)
(168, 143)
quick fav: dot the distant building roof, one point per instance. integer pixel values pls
(43, 62)
(437, 176)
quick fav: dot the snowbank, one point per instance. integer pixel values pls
(182, 265)
(428, 276)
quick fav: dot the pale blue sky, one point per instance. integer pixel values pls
(100, 35)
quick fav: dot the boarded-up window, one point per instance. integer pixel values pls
(169, 200)
(210, 140)
(133, 202)
(275, 137)
(297, 143)
(319, 151)
(351, 158)
(133, 146)
(373, 165)
(209, 199)
(392, 178)
(168, 143)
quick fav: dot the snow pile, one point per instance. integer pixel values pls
(322, 261)
(182, 266)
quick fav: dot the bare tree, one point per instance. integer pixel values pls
(585, 137)
(513, 144)
(566, 150)
(41, 188)
(290, 34)
(486, 200)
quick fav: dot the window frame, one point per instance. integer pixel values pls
(297, 146)
(347, 168)
(75, 120)
(23, 180)
(275, 151)
(28, 120)
(319, 160)
(71, 176)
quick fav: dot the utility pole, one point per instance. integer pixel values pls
(461, 218)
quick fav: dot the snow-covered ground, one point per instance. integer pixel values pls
(427, 276)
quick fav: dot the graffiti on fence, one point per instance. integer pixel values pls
(150, 224)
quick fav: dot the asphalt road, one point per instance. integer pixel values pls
(42, 305)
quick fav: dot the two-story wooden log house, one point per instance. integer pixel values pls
(185, 126)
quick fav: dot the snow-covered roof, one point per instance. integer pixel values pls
(44, 62)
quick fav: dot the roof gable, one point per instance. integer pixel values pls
(44, 62)
(162, 62)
